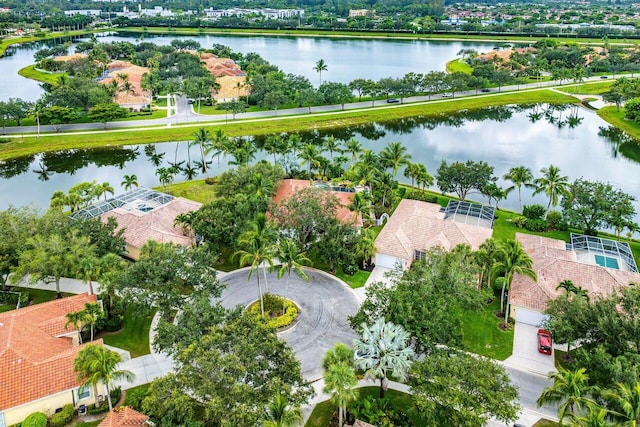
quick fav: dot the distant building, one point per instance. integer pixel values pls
(356, 13)
(267, 13)
(83, 12)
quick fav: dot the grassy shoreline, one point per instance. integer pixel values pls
(28, 145)
(30, 72)
(616, 118)
(5, 43)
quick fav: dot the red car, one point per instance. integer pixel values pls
(544, 341)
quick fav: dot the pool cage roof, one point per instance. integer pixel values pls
(142, 199)
(470, 213)
(599, 246)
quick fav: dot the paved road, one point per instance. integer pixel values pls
(185, 113)
(325, 303)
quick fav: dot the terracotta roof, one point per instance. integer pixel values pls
(228, 89)
(221, 66)
(34, 363)
(289, 187)
(553, 264)
(124, 416)
(66, 58)
(417, 225)
(156, 224)
(134, 73)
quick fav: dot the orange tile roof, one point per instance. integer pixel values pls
(157, 224)
(124, 416)
(289, 187)
(553, 264)
(417, 225)
(34, 363)
(134, 73)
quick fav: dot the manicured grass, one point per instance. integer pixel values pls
(4, 307)
(542, 422)
(198, 191)
(30, 72)
(88, 424)
(38, 295)
(5, 43)
(481, 334)
(596, 88)
(458, 65)
(323, 411)
(141, 389)
(357, 280)
(616, 118)
(26, 145)
(134, 335)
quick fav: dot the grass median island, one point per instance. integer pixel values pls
(27, 145)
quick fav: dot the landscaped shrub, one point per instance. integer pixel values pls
(536, 224)
(95, 410)
(422, 196)
(273, 311)
(116, 394)
(350, 269)
(62, 418)
(519, 221)
(135, 396)
(402, 191)
(534, 211)
(556, 221)
(379, 412)
(37, 419)
(114, 324)
(210, 181)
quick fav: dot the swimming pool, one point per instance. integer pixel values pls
(605, 261)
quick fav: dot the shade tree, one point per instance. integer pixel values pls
(464, 178)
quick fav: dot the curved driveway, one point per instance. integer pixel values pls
(325, 303)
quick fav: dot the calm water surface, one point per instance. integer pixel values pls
(503, 137)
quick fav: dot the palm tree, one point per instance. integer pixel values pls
(361, 204)
(520, 176)
(88, 269)
(280, 414)
(340, 380)
(185, 221)
(319, 68)
(627, 402)
(340, 353)
(291, 258)
(354, 148)
(75, 319)
(104, 188)
(570, 389)
(383, 348)
(552, 184)
(96, 364)
(331, 144)
(202, 137)
(309, 154)
(92, 313)
(412, 171)
(218, 144)
(257, 249)
(511, 258)
(366, 247)
(484, 257)
(394, 155)
(596, 416)
(129, 181)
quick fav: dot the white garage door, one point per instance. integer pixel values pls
(387, 261)
(530, 317)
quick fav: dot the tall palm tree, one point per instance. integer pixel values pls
(291, 258)
(340, 380)
(366, 247)
(484, 257)
(596, 416)
(361, 204)
(92, 313)
(412, 171)
(104, 188)
(88, 269)
(219, 144)
(96, 364)
(354, 148)
(332, 145)
(394, 155)
(257, 248)
(75, 319)
(511, 258)
(129, 181)
(383, 349)
(309, 154)
(202, 138)
(519, 176)
(570, 389)
(280, 414)
(340, 353)
(626, 400)
(552, 184)
(319, 68)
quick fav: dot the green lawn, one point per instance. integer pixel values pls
(545, 423)
(357, 280)
(37, 296)
(30, 72)
(596, 88)
(481, 334)
(87, 424)
(458, 65)
(323, 411)
(4, 307)
(197, 190)
(134, 336)
(616, 118)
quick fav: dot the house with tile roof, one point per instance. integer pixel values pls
(36, 360)
(137, 98)
(125, 416)
(231, 78)
(599, 266)
(288, 187)
(416, 226)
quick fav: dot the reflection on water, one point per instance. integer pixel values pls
(535, 136)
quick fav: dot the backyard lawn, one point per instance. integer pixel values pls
(134, 336)
(197, 190)
(323, 411)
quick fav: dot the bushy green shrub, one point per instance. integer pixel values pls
(62, 418)
(534, 211)
(380, 412)
(536, 224)
(135, 396)
(272, 303)
(350, 269)
(96, 410)
(273, 311)
(401, 191)
(556, 221)
(422, 196)
(519, 221)
(37, 419)
(116, 394)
